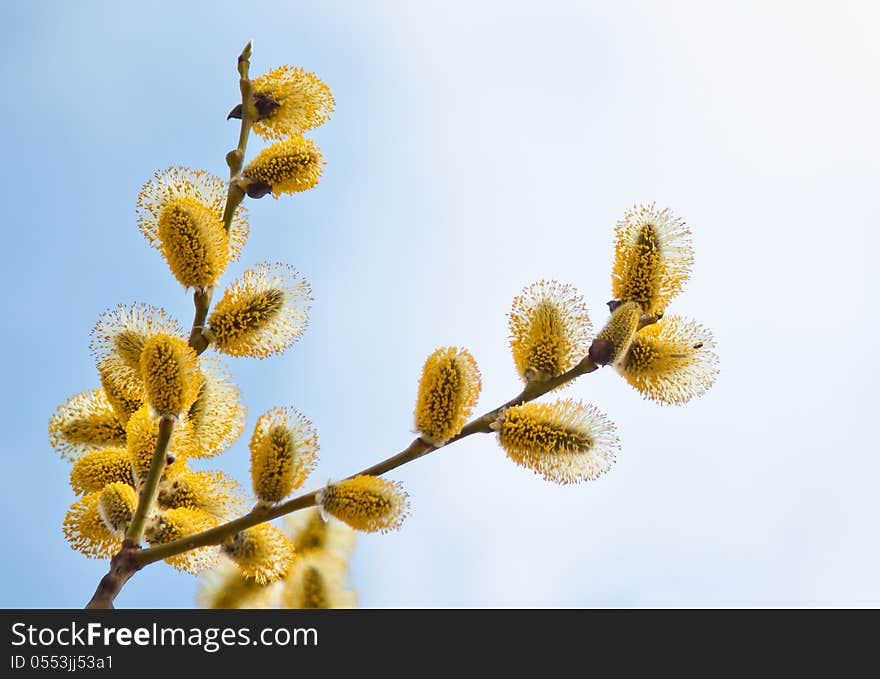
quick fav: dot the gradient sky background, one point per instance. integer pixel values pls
(477, 147)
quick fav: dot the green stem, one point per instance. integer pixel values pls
(151, 486)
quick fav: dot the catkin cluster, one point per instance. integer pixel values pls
(667, 359)
(163, 403)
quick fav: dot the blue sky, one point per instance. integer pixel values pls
(476, 148)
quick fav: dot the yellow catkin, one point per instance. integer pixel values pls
(96, 469)
(227, 587)
(179, 188)
(284, 449)
(287, 166)
(217, 415)
(262, 313)
(123, 330)
(310, 531)
(619, 332)
(448, 390)
(653, 258)
(262, 552)
(565, 442)
(316, 581)
(116, 505)
(85, 530)
(293, 100)
(193, 242)
(84, 422)
(213, 492)
(549, 330)
(171, 374)
(366, 503)
(671, 361)
(117, 341)
(125, 396)
(173, 524)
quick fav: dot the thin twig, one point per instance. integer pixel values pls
(202, 304)
(151, 486)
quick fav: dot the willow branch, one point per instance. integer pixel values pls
(131, 558)
(122, 567)
(418, 448)
(202, 304)
(151, 486)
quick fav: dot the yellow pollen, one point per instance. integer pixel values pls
(124, 397)
(85, 530)
(96, 469)
(261, 552)
(549, 330)
(85, 421)
(129, 345)
(448, 390)
(288, 166)
(565, 442)
(116, 504)
(283, 453)
(193, 242)
(303, 102)
(366, 503)
(620, 329)
(653, 258)
(314, 590)
(217, 415)
(170, 373)
(249, 316)
(173, 524)
(262, 313)
(671, 361)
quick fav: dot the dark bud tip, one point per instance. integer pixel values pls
(257, 189)
(265, 106)
(698, 345)
(601, 351)
(613, 304)
(169, 459)
(235, 113)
